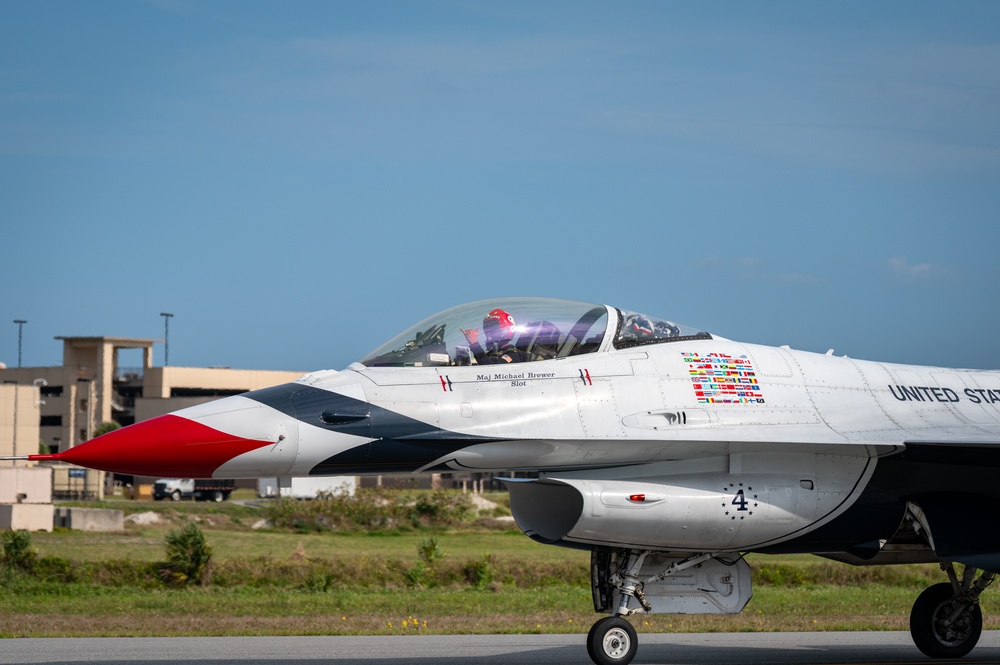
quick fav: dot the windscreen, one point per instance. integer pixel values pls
(531, 329)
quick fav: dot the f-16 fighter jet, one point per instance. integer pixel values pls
(667, 452)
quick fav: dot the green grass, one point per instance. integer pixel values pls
(82, 610)
(278, 582)
(146, 544)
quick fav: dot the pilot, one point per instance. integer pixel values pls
(636, 328)
(498, 328)
(666, 329)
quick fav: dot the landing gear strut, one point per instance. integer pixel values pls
(946, 620)
(612, 640)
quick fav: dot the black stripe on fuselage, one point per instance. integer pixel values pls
(398, 443)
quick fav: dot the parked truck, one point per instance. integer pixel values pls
(199, 489)
(305, 487)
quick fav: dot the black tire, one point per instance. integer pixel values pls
(176, 495)
(218, 496)
(612, 641)
(932, 607)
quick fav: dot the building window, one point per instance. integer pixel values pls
(50, 421)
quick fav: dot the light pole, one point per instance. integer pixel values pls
(20, 328)
(166, 337)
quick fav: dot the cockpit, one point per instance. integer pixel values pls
(522, 329)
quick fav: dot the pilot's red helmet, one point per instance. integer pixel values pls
(498, 326)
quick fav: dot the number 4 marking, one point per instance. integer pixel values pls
(740, 500)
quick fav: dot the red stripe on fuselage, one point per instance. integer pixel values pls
(166, 446)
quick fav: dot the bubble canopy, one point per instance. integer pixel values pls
(543, 329)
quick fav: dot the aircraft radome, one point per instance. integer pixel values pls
(667, 452)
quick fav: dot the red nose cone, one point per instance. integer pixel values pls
(167, 446)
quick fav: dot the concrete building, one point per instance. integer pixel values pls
(25, 498)
(66, 404)
(19, 419)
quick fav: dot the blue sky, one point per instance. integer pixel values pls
(297, 182)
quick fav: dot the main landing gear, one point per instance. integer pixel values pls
(946, 620)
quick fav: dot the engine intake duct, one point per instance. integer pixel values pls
(545, 510)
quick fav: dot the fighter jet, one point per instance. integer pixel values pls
(667, 452)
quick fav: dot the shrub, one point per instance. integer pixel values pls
(105, 427)
(479, 573)
(429, 551)
(443, 507)
(319, 582)
(417, 575)
(55, 569)
(376, 508)
(188, 555)
(120, 573)
(18, 554)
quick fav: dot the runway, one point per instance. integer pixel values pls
(841, 648)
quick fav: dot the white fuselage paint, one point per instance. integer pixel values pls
(806, 443)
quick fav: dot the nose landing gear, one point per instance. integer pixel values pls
(619, 573)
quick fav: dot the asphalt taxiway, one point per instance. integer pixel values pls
(842, 648)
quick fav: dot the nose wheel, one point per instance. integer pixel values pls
(612, 641)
